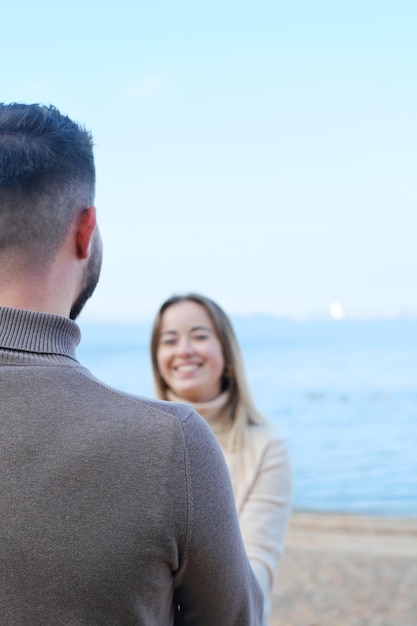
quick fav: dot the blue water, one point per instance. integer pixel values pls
(343, 395)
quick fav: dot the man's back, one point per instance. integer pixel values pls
(114, 509)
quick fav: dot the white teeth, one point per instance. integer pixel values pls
(187, 368)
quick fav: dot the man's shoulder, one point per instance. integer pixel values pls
(133, 417)
(167, 410)
(104, 393)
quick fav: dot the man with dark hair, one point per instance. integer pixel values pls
(114, 509)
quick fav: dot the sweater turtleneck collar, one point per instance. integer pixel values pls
(42, 333)
(216, 412)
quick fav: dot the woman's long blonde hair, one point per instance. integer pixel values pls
(233, 380)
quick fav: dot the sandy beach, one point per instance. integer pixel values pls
(343, 570)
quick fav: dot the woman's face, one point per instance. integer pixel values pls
(189, 354)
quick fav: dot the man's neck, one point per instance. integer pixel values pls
(33, 291)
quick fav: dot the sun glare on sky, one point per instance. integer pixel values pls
(336, 311)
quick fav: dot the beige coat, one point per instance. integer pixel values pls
(263, 493)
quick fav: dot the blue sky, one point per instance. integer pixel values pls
(262, 153)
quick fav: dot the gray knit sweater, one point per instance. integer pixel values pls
(114, 509)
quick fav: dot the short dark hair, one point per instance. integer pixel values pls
(47, 174)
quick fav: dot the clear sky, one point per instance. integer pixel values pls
(263, 153)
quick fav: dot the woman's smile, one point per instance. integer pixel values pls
(187, 368)
(189, 355)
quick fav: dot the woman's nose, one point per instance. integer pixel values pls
(185, 346)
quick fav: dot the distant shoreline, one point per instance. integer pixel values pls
(353, 515)
(91, 320)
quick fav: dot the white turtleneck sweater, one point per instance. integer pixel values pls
(261, 480)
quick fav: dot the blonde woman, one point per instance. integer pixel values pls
(196, 359)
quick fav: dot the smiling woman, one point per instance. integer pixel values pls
(189, 354)
(196, 359)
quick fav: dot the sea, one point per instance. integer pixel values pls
(342, 394)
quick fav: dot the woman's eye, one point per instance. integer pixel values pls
(168, 342)
(200, 337)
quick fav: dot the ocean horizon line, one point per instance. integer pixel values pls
(313, 316)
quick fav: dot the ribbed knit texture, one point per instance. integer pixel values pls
(29, 331)
(114, 509)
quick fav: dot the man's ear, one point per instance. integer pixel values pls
(85, 230)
